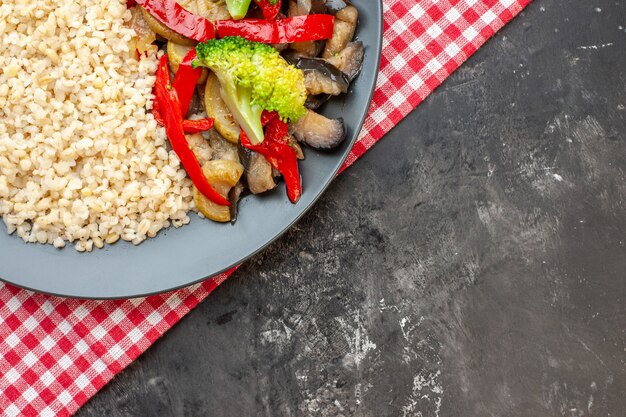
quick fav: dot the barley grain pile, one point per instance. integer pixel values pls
(81, 158)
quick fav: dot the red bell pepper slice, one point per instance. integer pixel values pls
(180, 20)
(168, 101)
(189, 126)
(270, 11)
(279, 154)
(292, 29)
(186, 79)
(267, 116)
(197, 126)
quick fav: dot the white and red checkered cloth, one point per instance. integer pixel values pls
(56, 353)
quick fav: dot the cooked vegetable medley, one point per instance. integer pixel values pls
(235, 85)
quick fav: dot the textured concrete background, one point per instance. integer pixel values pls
(472, 264)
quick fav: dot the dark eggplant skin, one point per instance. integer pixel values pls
(321, 77)
(315, 102)
(250, 161)
(325, 68)
(234, 195)
(333, 6)
(305, 7)
(349, 60)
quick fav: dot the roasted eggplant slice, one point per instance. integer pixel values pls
(233, 198)
(318, 131)
(314, 102)
(349, 60)
(258, 172)
(343, 32)
(321, 77)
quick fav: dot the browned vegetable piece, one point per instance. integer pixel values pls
(215, 107)
(349, 60)
(318, 131)
(334, 6)
(223, 175)
(233, 197)
(320, 77)
(175, 55)
(200, 147)
(343, 32)
(259, 175)
(296, 147)
(314, 102)
(143, 42)
(222, 149)
(306, 7)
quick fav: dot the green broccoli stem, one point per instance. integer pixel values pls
(247, 115)
(238, 8)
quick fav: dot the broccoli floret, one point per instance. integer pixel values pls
(254, 77)
(238, 8)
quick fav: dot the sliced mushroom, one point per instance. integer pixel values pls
(318, 131)
(201, 147)
(258, 172)
(320, 77)
(349, 60)
(343, 31)
(222, 149)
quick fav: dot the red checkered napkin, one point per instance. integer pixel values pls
(55, 353)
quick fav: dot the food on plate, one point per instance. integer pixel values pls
(118, 118)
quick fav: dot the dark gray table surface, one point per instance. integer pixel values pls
(471, 264)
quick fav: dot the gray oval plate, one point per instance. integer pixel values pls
(181, 257)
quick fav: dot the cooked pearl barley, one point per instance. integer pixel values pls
(81, 159)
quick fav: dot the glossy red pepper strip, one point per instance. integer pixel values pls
(292, 29)
(267, 116)
(279, 154)
(189, 126)
(168, 102)
(180, 20)
(270, 11)
(186, 79)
